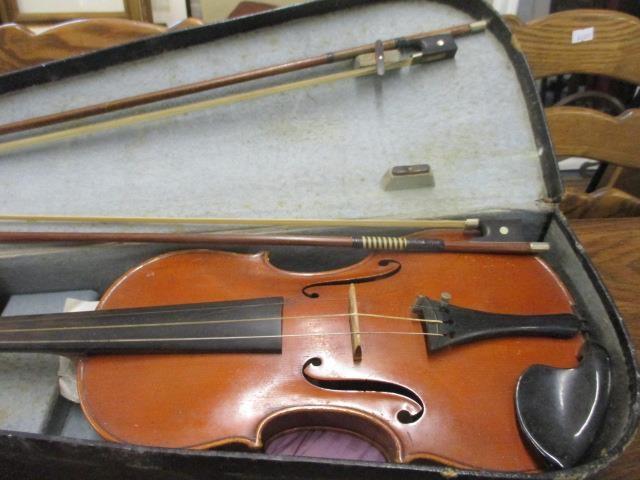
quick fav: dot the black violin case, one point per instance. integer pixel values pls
(314, 153)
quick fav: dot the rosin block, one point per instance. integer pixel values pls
(405, 177)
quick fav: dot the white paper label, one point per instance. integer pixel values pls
(582, 35)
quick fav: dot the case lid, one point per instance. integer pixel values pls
(319, 152)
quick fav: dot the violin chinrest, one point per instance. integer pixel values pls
(561, 410)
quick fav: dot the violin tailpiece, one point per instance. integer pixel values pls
(462, 325)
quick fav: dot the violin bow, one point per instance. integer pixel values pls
(465, 224)
(224, 81)
(379, 65)
(367, 242)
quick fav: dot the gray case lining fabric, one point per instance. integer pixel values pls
(320, 152)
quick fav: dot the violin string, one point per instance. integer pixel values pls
(391, 292)
(205, 322)
(191, 339)
(327, 300)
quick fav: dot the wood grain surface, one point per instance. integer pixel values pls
(21, 48)
(250, 8)
(584, 132)
(548, 44)
(614, 246)
(600, 42)
(603, 203)
(11, 11)
(175, 401)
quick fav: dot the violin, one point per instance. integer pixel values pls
(421, 354)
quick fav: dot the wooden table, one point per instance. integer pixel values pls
(614, 246)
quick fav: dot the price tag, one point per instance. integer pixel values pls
(582, 35)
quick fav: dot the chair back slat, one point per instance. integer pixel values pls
(603, 203)
(595, 42)
(583, 132)
(560, 43)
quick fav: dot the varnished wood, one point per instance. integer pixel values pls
(189, 22)
(139, 10)
(249, 8)
(206, 401)
(583, 132)
(429, 245)
(512, 21)
(614, 50)
(604, 202)
(626, 179)
(21, 48)
(614, 247)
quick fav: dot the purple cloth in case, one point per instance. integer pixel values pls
(324, 444)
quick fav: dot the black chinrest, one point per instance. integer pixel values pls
(561, 410)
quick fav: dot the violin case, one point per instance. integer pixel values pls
(314, 153)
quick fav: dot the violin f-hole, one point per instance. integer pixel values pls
(389, 272)
(361, 385)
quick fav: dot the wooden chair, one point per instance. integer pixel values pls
(598, 42)
(21, 48)
(250, 8)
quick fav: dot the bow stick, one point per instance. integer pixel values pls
(218, 82)
(366, 242)
(438, 49)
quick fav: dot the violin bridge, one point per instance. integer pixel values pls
(354, 325)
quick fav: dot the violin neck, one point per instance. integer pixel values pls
(245, 326)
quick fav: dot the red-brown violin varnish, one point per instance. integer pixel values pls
(204, 401)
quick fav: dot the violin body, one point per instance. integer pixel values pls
(454, 406)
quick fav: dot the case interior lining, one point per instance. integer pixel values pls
(315, 153)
